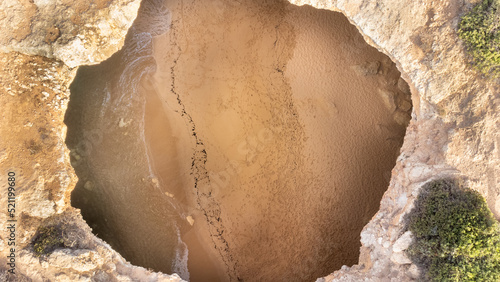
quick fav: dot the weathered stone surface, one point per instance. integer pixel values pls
(34, 93)
(455, 118)
(403, 242)
(75, 32)
(454, 127)
(400, 258)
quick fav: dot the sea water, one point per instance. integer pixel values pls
(119, 191)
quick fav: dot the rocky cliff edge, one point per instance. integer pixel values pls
(453, 132)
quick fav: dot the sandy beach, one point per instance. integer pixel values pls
(293, 143)
(249, 140)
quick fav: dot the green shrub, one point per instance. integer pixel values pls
(47, 240)
(456, 235)
(480, 29)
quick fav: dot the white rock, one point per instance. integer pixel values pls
(79, 260)
(400, 258)
(403, 242)
(190, 220)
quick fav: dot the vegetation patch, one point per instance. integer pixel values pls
(480, 29)
(456, 236)
(48, 239)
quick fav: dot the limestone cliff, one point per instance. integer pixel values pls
(454, 127)
(43, 42)
(74, 32)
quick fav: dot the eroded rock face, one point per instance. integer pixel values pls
(245, 115)
(453, 130)
(75, 32)
(34, 94)
(454, 126)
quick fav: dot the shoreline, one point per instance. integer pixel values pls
(276, 151)
(201, 259)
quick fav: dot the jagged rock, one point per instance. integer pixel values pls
(34, 92)
(420, 36)
(454, 119)
(403, 242)
(78, 260)
(400, 258)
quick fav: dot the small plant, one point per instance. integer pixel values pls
(48, 238)
(480, 29)
(456, 235)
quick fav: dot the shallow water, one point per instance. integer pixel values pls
(117, 190)
(235, 140)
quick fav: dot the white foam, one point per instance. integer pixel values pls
(157, 19)
(180, 263)
(138, 61)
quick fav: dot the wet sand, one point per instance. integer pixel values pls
(164, 152)
(293, 143)
(263, 132)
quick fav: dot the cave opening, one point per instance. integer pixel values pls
(247, 140)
